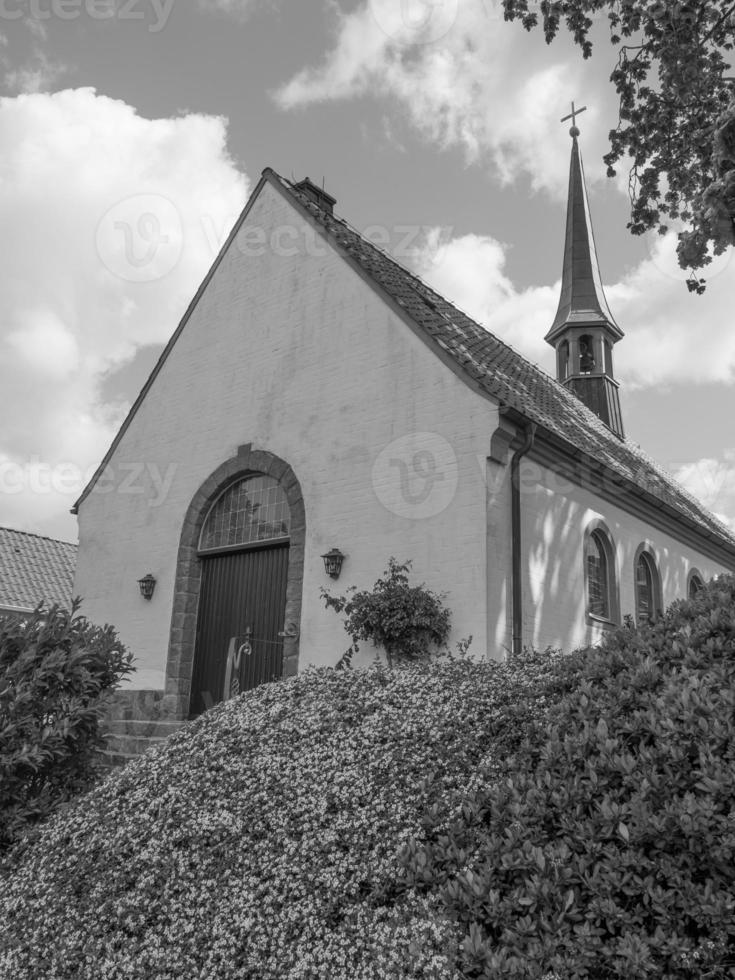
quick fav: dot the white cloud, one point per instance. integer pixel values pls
(36, 75)
(43, 344)
(673, 335)
(70, 313)
(712, 481)
(465, 78)
(651, 304)
(34, 72)
(469, 271)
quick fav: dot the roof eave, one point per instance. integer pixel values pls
(581, 319)
(605, 477)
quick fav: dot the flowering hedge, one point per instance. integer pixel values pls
(608, 851)
(262, 840)
(555, 817)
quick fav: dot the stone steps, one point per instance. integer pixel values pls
(144, 727)
(115, 760)
(134, 723)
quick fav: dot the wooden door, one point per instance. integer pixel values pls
(241, 607)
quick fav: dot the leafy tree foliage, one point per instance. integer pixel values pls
(56, 671)
(676, 113)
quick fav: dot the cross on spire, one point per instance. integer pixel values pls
(573, 116)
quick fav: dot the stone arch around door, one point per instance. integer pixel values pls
(180, 663)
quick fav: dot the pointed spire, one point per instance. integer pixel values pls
(582, 301)
(584, 331)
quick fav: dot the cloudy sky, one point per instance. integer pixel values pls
(431, 119)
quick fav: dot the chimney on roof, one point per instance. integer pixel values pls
(316, 194)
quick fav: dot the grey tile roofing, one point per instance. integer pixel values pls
(504, 373)
(34, 568)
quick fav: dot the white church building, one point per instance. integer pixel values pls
(317, 396)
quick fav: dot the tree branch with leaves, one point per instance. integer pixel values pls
(676, 122)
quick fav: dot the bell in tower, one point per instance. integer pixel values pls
(584, 330)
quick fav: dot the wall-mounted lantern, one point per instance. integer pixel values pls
(146, 585)
(333, 562)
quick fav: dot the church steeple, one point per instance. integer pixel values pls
(584, 330)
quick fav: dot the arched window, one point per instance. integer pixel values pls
(695, 583)
(647, 588)
(599, 567)
(251, 511)
(586, 354)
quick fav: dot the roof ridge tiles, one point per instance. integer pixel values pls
(33, 534)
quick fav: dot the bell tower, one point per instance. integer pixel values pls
(584, 331)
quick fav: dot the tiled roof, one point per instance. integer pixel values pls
(33, 568)
(505, 374)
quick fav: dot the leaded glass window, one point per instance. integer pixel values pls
(695, 584)
(644, 594)
(252, 510)
(598, 576)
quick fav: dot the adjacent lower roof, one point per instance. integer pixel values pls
(34, 569)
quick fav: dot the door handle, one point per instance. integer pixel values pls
(246, 646)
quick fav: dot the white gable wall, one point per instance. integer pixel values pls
(290, 350)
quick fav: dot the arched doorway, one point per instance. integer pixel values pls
(243, 547)
(196, 573)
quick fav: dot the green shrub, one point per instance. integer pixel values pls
(408, 622)
(558, 817)
(261, 840)
(55, 672)
(609, 850)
